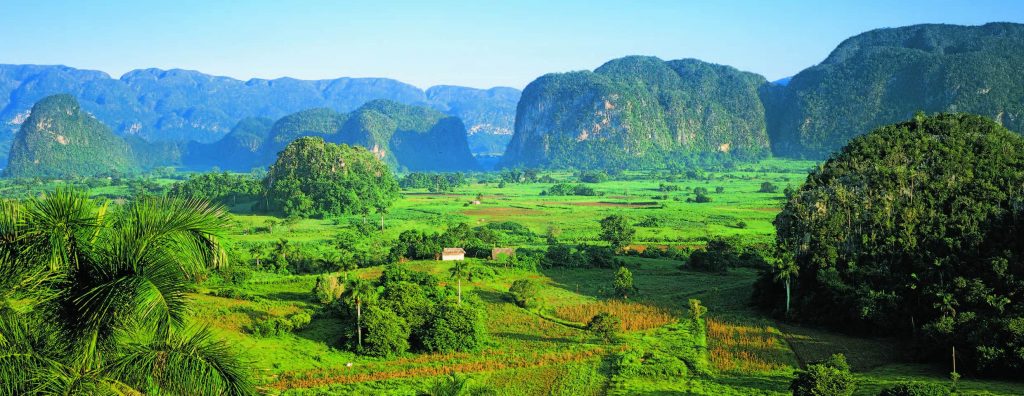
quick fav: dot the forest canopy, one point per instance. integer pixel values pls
(315, 178)
(914, 229)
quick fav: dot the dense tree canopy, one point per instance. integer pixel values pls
(915, 228)
(315, 178)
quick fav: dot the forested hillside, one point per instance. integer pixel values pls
(59, 140)
(886, 75)
(638, 112)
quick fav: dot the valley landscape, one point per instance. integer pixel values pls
(648, 227)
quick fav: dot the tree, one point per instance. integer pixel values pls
(617, 231)
(454, 328)
(604, 325)
(462, 270)
(785, 269)
(256, 252)
(893, 236)
(623, 282)
(831, 377)
(387, 334)
(768, 187)
(524, 291)
(107, 291)
(358, 291)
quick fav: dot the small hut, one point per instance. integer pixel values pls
(453, 254)
(497, 253)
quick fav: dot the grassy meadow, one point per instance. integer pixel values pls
(734, 350)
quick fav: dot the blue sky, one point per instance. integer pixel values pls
(476, 43)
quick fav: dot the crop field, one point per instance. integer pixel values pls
(660, 350)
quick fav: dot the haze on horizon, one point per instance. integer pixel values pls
(478, 44)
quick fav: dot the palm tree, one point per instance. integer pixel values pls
(107, 295)
(462, 270)
(382, 210)
(785, 268)
(257, 253)
(357, 291)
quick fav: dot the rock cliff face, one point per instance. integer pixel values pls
(886, 75)
(637, 112)
(59, 140)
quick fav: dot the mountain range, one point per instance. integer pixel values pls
(631, 112)
(182, 105)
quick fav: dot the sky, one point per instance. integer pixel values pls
(477, 43)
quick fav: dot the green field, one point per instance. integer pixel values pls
(734, 350)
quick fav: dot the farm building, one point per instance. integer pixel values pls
(453, 254)
(496, 253)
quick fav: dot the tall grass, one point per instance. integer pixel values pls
(744, 348)
(633, 316)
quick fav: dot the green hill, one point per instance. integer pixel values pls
(240, 150)
(886, 75)
(59, 140)
(636, 112)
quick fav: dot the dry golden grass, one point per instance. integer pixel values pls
(633, 316)
(391, 370)
(742, 348)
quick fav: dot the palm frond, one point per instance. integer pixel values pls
(192, 363)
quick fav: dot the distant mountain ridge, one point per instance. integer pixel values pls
(406, 137)
(182, 105)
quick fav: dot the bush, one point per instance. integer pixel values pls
(916, 389)
(829, 378)
(524, 292)
(623, 282)
(768, 187)
(455, 328)
(604, 325)
(649, 221)
(385, 334)
(300, 320)
(697, 310)
(327, 289)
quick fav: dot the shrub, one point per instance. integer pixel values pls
(300, 320)
(916, 389)
(327, 289)
(697, 310)
(455, 328)
(604, 325)
(768, 187)
(385, 334)
(623, 282)
(649, 221)
(829, 378)
(524, 292)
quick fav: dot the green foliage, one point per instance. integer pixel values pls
(623, 283)
(455, 328)
(315, 178)
(224, 188)
(829, 378)
(327, 289)
(524, 292)
(639, 112)
(887, 75)
(433, 182)
(387, 334)
(605, 326)
(915, 225)
(565, 189)
(768, 187)
(617, 231)
(59, 140)
(916, 389)
(697, 310)
(107, 292)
